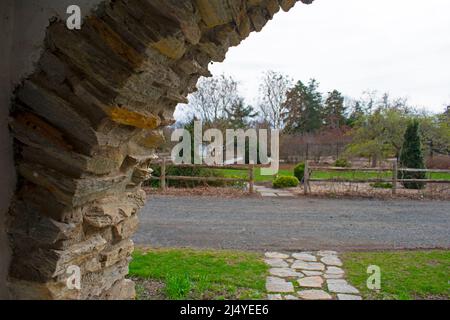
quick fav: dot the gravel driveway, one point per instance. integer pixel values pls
(293, 224)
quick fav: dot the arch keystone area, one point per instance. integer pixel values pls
(84, 126)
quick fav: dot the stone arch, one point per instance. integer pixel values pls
(85, 122)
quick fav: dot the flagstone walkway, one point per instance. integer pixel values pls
(273, 193)
(308, 276)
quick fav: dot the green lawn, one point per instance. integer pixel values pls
(198, 274)
(405, 275)
(348, 175)
(211, 274)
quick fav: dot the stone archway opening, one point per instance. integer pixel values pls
(85, 124)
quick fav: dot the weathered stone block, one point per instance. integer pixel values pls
(116, 253)
(126, 228)
(57, 111)
(42, 265)
(258, 17)
(80, 123)
(219, 12)
(122, 290)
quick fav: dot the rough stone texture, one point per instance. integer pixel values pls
(314, 295)
(333, 276)
(285, 279)
(285, 273)
(334, 270)
(312, 273)
(278, 285)
(304, 257)
(341, 286)
(277, 263)
(311, 266)
(332, 261)
(276, 255)
(311, 282)
(86, 123)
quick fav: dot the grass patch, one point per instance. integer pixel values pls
(405, 275)
(347, 175)
(202, 275)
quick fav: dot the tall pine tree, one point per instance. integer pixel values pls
(304, 104)
(411, 156)
(334, 110)
(239, 115)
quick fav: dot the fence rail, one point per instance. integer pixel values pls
(163, 178)
(395, 180)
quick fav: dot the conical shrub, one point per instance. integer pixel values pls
(412, 157)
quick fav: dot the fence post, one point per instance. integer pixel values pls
(251, 179)
(306, 177)
(162, 178)
(394, 177)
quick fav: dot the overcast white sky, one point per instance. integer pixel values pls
(396, 46)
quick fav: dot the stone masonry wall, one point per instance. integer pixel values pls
(85, 124)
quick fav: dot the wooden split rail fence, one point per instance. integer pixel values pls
(395, 180)
(163, 178)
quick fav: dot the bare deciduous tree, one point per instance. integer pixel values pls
(273, 90)
(213, 97)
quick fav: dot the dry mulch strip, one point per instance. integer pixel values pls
(149, 289)
(201, 191)
(364, 190)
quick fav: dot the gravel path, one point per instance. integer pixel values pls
(293, 224)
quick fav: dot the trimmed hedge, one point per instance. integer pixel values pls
(381, 185)
(342, 163)
(285, 182)
(299, 171)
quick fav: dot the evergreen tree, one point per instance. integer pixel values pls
(304, 105)
(334, 110)
(357, 113)
(239, 115)
(411, 156)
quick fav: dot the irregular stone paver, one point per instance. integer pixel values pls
(334, 270)
(278, 285)
(311, 282)
(323, 253)
(311, 275)
(332, 261)
(340, 286)
(276, 255)
(285, 273)
(314, 295)
(304, 257)
(277, 263)
(270, 192)
(348, 297)
(313, 266)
